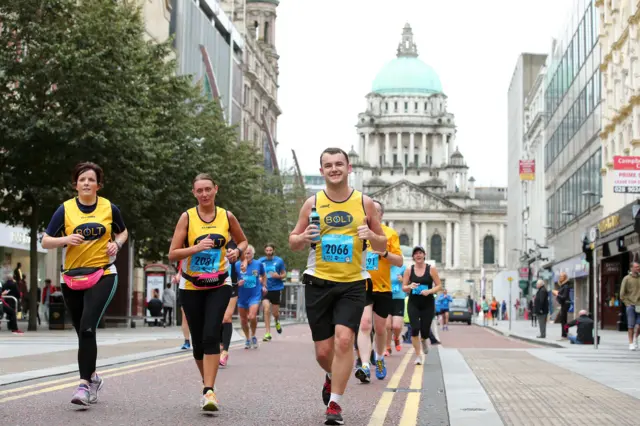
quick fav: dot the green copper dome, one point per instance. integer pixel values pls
(407, 74)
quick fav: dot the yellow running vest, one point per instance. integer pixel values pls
(338, 256)
(96, 229)
(378, 267)
(207, 261)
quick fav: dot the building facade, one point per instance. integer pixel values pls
(618, 244)
(573, 149)
(407, 159)
(524, 77)
(256, 22)
(157, 18)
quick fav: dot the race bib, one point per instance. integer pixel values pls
(372, 261)
(396, 288)
(419, 289)
(250, 281)
(205, 261)
(337, 248)
(269, 269)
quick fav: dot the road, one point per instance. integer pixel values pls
(476, 376)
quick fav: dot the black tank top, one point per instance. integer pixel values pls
(424, 280)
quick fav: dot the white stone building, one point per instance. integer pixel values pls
(256, 21)
(407, 159)
(620, 135)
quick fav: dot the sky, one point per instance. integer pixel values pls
(330, 52)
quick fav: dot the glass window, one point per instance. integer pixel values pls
(436, 248)
(596, 23)
(589, 29)
(488, 250)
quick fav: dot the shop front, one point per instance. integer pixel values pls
(616, 247)
(14, 248)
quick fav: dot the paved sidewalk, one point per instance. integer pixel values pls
(521, 329)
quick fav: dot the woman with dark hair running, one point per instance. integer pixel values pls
(200, 243)
(92, 232)
(421, 281)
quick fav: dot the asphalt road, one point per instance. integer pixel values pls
(277, 384)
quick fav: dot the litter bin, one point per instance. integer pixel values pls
(59, 316)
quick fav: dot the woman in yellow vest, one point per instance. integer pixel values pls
(92, 232)
(200, 244)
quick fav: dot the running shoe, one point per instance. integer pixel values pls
(425, 346)
(247, 344)
(267, 337)
(224, 357)
(398, 345)
(186, 345)
(419, 360)
(334, 414)
(326, 390)
(95, 386)
(254, 342)
(381, 369)
(81, 396)
(209, 402)
(278, 327)
(363, 373)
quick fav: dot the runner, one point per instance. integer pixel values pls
(92, 232)
(276, 272)
(252, 285)
(227, 321)
(342, 222)
(379, 301)
(444, 300)
(199, 242)
(419, 282)
(395, 321)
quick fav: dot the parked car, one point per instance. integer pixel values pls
(459, 311)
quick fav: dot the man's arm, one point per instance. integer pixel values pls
(394, 254)
(372, 231)
(303, 232)
(623, 291)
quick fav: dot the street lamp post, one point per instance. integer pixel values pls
(510, 311)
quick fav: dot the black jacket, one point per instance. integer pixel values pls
(541, 303)
(563, 295)
(585, 328)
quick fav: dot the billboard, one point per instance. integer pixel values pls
(527, 169)
(626, 174)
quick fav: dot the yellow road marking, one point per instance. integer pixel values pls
(380, 412)
(65, 383)
(412, 404)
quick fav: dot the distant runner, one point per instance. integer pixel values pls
(276, 273)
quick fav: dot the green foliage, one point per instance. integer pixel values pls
(78, 82)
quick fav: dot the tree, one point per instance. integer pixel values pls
(78, 83)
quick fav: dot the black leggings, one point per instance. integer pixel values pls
(87, 308)
(420, 315)
(204, 310)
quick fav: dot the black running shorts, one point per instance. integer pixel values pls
(382, 301)
(331, 303)
(273, 296)
(397, 309)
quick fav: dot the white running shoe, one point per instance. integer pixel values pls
(209, 402)
(425, 346)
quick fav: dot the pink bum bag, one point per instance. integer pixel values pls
(83, 278)
(207, 281)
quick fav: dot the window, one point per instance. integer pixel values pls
(488, 246)
(416, 106)
(267, 39)
(436, 248)
(404, 239)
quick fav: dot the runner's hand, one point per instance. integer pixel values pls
(425, 292)
(264, 291)
(310, 233)
(413, 285)
(112, 249)
(240, 283)
(74, 240)
(205, 244)
(274, 275)
(364, 233)
(233, 255)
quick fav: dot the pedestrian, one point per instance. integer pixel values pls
(630, 296)
(199, 243)
(338, 224)
(562, 296)
(168, 303)
(422, 282)
(541, 308)
(10, 301)
(92, 231)
(532, 313)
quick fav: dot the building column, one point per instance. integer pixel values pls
(365, 148)
(501, 246)
(412, 148)
(399, 145)
(416, 234)
(390, 224)
(423, 235)
(447, 256)
(376, 151)
(387, 150)
(476, 240)
(456, 246)
(423, 151)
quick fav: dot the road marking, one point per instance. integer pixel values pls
(412, 404)
(66, 382)
(75, 383)
(380, 412)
